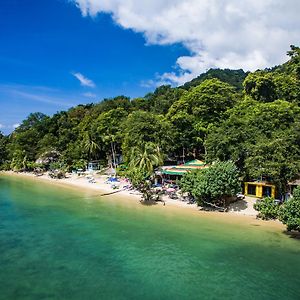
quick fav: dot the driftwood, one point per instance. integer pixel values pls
(110, 193)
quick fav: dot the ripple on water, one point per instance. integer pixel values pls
(54, 245)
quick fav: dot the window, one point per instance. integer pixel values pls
(251, 189)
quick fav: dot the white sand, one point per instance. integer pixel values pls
(243, 207)
(240, 213)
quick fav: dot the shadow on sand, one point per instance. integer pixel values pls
(238, 205)
(292, 234)
(148, 203)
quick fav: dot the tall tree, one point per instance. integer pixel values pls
(146, 157)
(261, 138)
(143, 127)
(90, 146)
(198, 109)
(260, 86)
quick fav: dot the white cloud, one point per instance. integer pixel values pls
(2, 126)
(248, 34)
(52, 100)
(39, 94)
(84, 80)
(148, 83)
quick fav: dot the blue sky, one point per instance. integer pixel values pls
(55, 54)
(43, 43)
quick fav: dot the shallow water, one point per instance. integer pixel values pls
(58, 243)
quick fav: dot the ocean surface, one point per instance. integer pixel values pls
(59, 243)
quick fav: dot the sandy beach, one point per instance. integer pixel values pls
(99, 183)
(240, 212)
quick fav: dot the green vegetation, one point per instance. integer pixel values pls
(250, 119)
(143, 159)
(214, 186)
(268, 208)
(289, 213)
(233, 77)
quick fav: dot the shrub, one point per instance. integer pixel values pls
(268, 208)
(79, 164)
(214, 185)
(5, 166)
(289, 213)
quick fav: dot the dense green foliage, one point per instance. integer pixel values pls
(197, 110)
(3, 149)
(261, 138)
(289, 213)
(233, 77)
(261, 132)
(252, 119)
(143, 159)
(214, 185)
(268, 208)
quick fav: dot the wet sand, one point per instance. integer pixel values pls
(240, 213)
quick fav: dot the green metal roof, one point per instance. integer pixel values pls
(174, 172)
(182, 169)
(195, 162)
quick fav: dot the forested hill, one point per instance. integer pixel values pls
(252, 119)
(232, 77)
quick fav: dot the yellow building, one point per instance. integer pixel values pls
(259, 189)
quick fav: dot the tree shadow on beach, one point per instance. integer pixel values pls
(148, 203)
(238, 205)
(292, 234)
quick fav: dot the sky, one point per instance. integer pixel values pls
(55, 54)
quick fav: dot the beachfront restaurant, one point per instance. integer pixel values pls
(174, 173)
(259, 189)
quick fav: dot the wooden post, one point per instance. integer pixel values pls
(246, 188)
(259, 191)
(273, 191)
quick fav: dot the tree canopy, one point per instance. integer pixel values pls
(251, 119)
(214, 185)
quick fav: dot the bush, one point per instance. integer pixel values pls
(289, 213)
(122, 170)
(57, 166)
(31, 166)
(213, 186)
(79, 164)
(268, 208)
(5, 166)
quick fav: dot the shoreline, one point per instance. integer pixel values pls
(245, 217)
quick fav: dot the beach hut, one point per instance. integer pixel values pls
(259, 189)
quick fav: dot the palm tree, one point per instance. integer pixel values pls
(89, 145)
(142, 162)
(146, 157)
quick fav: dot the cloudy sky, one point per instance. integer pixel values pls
(58, 53)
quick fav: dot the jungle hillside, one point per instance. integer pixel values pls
(251, 119)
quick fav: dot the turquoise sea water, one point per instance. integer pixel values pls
(58, 243)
